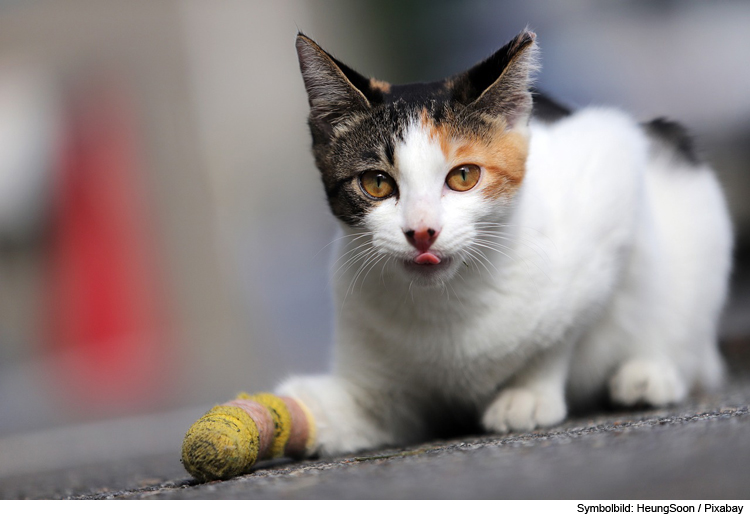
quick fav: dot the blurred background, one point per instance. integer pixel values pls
(163, 230)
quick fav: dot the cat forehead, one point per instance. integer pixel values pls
(428, 104)
(373, 141)
(414, 94)
(393, 107)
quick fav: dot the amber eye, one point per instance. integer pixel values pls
(463, 178)
(377, 185)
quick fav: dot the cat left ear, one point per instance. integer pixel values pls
(334, 90)
(500, 84)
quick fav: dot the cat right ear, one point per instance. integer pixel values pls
(334, 90)
(500, 84)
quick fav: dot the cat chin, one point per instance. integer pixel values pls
(430, 275)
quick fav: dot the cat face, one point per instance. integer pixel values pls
(426, 170)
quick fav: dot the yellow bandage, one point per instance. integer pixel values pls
(232, 437)
(221, 445)
(282, 421)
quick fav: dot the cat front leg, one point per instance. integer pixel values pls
(345, 415)
(534, 398)
(306, 415)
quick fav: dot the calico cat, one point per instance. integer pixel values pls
(504, 258)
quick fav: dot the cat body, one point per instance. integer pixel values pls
(503, 258)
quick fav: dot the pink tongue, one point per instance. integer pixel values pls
(427, 258)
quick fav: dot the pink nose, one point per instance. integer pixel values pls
(421, 239)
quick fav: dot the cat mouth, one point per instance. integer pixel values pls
(427, 259)
(427, 263)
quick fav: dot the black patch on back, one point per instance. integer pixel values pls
(547, 109)
(674, 135)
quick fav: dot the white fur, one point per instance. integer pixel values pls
(611, 276)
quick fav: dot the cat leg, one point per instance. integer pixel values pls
(673, 289)
(631, 355)
(651, 381)
(346, 416)
(535, 398)
(307, 415)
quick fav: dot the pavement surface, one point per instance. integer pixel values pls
(698, 450)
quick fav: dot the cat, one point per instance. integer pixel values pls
(504, 258)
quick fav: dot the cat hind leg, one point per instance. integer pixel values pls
(649, 381)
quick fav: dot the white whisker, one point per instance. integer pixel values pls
(373, 265)
(368, 255)
(364, 250)
(477, 254)
(358, 235)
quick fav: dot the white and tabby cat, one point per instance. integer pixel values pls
(504, 258)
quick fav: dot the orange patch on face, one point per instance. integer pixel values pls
(503, 158)
(502, 155)
(380, 85)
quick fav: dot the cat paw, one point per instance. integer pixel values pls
(522, 409)
(655, 383)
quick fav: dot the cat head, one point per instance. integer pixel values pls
(425, 169)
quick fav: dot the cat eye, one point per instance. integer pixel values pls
(377, 185)
(463, 178)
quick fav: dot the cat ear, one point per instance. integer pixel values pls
(500, 84)
(334, 90)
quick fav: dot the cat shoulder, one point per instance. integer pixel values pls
(582, 144)
(663, 135)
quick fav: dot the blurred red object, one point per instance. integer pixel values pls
(106, 317)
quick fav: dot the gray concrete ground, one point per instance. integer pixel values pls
(698, 450)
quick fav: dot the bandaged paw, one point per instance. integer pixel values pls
(229, 439)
